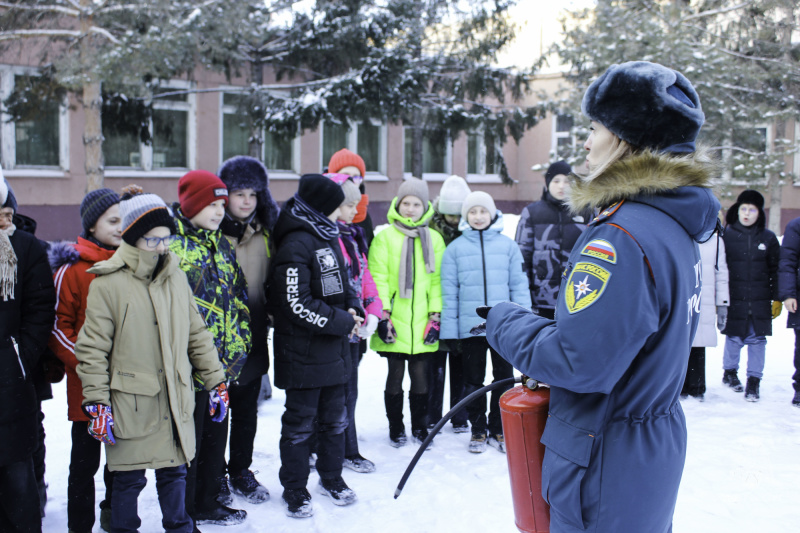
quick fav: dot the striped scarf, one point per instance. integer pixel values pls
(322, 225)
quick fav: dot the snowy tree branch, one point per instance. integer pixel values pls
(45, 8)
(23, 34)
(714, 12)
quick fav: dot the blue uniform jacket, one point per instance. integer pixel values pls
(479, 268)
(616, 354)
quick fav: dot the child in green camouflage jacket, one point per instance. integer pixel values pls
(220, 290)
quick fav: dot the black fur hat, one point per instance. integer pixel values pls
(646, 104)
(245, 172)
(747, 196)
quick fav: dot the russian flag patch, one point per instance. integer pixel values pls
(600, 249)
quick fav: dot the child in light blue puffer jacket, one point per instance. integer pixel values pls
(483, 267)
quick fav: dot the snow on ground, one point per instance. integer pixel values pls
(741, 471)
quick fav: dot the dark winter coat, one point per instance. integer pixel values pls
(308, 298)
(753, 253)
(789, 269)
(546, 233)
(28, 319)
(616, 354)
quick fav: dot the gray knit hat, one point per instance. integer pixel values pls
(414, 187)
(351, 192)
(478, 198)
(142, 212)
(451, 196)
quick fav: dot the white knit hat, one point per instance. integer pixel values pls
(451, 196)
(480, 198)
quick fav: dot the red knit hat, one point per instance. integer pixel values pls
(199, 188)
(346, 158)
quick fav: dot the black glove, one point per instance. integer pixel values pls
(386, 331)
(480, 329)
(483, 311)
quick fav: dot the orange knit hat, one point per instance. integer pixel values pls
(346, 158)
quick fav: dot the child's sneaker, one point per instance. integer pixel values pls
(337, 490)
(246, 485)
(220, 515)
(497, 442)
(298, 503)
(224, 497)
(731, 379)
(357, 463)
(477, 444)
(460, 428)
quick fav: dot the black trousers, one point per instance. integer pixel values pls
(83, 464)
(303, 406)
(796, 376)
(244, 422)
(202, 478)
(436, 373)
(473, 353)
(695, 382)
(170, 485)
(19, 498)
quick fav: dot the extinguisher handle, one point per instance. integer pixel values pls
(532, 384)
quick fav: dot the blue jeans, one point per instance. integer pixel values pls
(171, 488)
(756, 351)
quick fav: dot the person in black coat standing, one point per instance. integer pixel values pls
(315, 309)
(546, 233)
(27, 312)
(752, 254)
(788, 284)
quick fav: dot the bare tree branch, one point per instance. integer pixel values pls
(713, 12)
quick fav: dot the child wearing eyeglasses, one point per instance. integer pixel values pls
(141, 339)
(220, 290)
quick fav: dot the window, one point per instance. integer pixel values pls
(38, 137)
(367, 140)
(277, 154)
(481, 156)
(171, 126)
(436, 156)
(563, 145)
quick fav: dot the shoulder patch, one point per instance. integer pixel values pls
(585, 285)
(602, 250)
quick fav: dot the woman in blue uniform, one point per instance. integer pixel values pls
(616, 354)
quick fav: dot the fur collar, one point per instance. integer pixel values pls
(647, 173)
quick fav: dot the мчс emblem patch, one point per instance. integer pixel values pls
(585, 285)
(601, 250)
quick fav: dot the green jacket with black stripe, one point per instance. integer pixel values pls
(219, 288)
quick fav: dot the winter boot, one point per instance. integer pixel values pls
(731, 379)
(105, 515)
(246, 485)
(394, 412)
(497, 441)
(224, 497)
(477, 444)
(337, 490)
(221, 515)
(751, 391)
(796, 399)
(357, 463)
(419, 417)
(298, 503)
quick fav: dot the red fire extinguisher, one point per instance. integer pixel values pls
(523, 411)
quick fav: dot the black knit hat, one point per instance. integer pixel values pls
(94, 204)
(245, 172)
(647, 105)
(559, 167)
(320, 193)
(748, 196)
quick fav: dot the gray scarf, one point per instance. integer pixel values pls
(423, 232)
(8, 264)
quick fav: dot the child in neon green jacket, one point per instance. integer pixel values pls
(405, 261)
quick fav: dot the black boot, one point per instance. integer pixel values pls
(751, 391)
(731, 379)
(394, 412)
(419, 416)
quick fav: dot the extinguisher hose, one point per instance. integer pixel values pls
(440, 424)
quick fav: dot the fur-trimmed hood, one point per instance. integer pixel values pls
(679, 186)
(68, 253)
